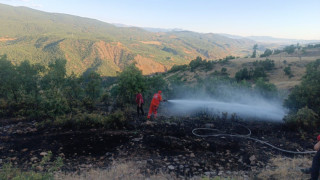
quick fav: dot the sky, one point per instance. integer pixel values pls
(295, 19)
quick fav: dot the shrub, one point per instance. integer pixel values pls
(257, 73)
(308, 92)
(130, 81)
(195, 63)
(266, 89)
(288, 72)
(305, 118)
(176, 68)
(106, 99)
(289, 49)
(267, 64)
(116, 120)
(224, 71)
(203, 63)
(170, 50)
(266, 53)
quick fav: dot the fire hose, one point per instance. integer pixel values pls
(246, 136)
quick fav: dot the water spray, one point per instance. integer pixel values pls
(263, 109)
(255, 109)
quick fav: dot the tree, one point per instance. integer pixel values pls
(130, 81)
(154, 84)
(277, 51)
(28, 77)
(242, 74)
(258, 72)
(55, 74)
(305, 118)
(307, 94)
(254, 54)
(52, 84)
(289, 49)
(266, 53)
(195, 63)
(8, 80)
(224, 71)
(266, 89)
(92, 85)
(288, 72)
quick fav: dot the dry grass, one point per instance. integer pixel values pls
(276, 76)
(151, 42)
(277, 168)
(129, 171)
(4, 39)
(123, 171)
(286, 168)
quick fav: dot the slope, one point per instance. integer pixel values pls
(89, 44)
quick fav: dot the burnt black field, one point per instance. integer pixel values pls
(162, 143)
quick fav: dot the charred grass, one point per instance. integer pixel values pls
(159, 149)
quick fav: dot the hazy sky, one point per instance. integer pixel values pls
(279, 18)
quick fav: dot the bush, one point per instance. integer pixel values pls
(242, 74)
(266, 89)
(267, 64)
(116, 120)
(266, 53)
(156, 83)
(170, 50)
(176, 68)
(203, 63)
(130, 81)
(308, 92)
(257, 73)
(289, 49)
(305, 119)
(277, 51)
(106, 98)
(288, 72)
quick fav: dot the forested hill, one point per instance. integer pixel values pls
(89, 44)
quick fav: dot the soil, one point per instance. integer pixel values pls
(165, 144)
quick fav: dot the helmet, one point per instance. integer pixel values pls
(159, 91)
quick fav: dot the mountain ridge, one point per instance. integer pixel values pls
(89, 44)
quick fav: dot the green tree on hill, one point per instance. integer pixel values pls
(289, 49)
(130, 81)
(242, 74)
(266, 89)
(92, 85)
(254, 54)
(266, 53)
(306, 95)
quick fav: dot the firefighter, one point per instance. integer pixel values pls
(139, 101)
(157, 98)
(314, 170)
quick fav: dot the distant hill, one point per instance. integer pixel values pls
(149, 28)
(89, 44)
(271, 40)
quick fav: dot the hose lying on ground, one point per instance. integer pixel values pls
(246, 136)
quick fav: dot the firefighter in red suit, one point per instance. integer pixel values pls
(139, 101)
(157, 98)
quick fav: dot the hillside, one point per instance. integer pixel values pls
(276, 76)
(89, 44)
